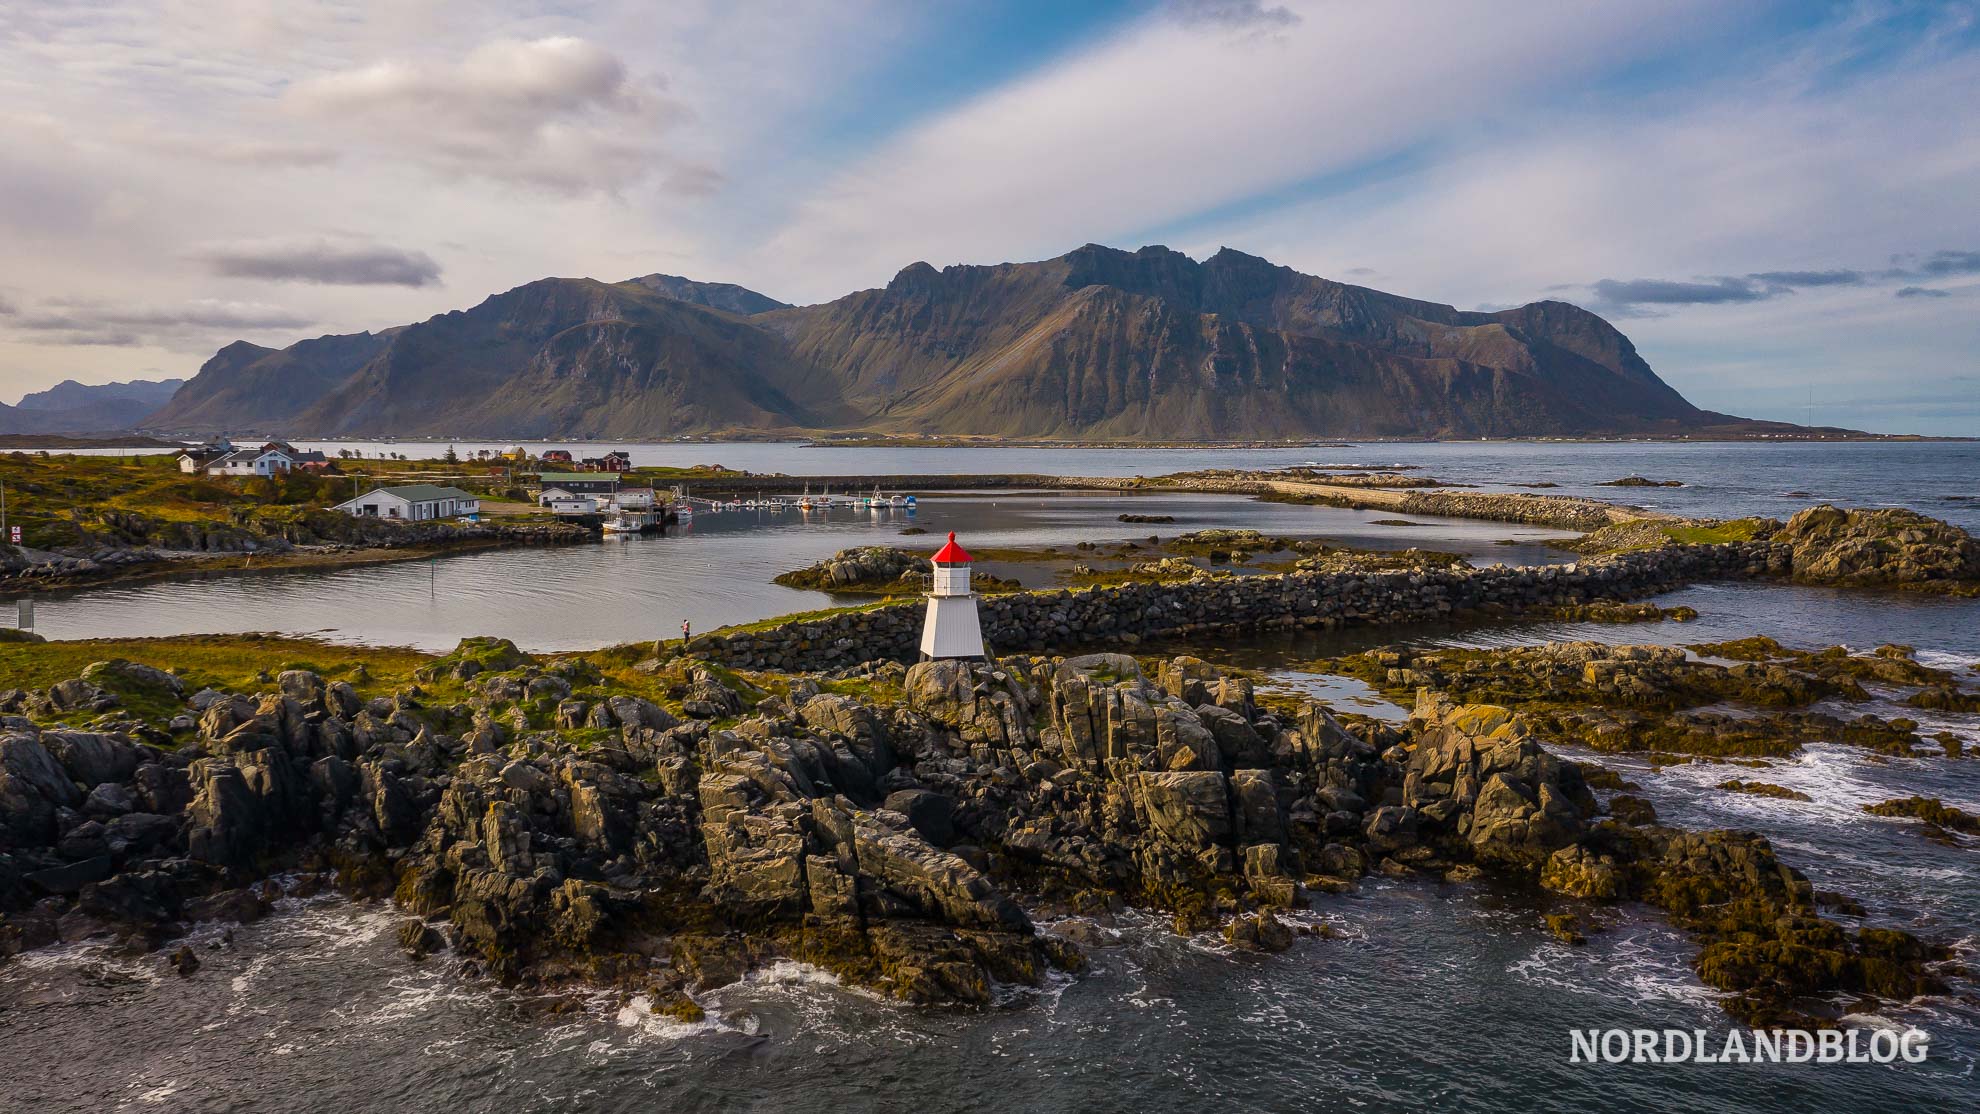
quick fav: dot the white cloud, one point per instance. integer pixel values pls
(1162, 122)
(1775, 168)
(558, 112)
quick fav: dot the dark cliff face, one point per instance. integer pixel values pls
(1095, 343)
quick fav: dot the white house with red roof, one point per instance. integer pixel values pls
(951, 629)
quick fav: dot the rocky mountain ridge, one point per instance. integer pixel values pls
(1098, 343)
(72, 407)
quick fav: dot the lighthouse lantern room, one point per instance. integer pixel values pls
(951, 629)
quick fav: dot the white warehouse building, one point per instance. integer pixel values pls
(413, 503)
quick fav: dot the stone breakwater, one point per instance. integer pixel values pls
(1531, 510)
(1126, 614)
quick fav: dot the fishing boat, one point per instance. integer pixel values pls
(622, 524)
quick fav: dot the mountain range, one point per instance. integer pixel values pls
(72, 407)
(1097, 343)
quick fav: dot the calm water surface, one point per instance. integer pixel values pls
(1940, 478)
(716, 571)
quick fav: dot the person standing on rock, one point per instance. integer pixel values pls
(687, 633)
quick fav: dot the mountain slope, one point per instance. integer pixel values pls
(71, 395)
(1095, 343)
(564, 357)
(72, 407)
(248, 387)
(714, 295)
(1153, 344)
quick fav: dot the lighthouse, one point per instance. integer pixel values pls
(951, 630)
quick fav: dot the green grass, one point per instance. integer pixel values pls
(219, 661)
(1718, 533)
(805, 617)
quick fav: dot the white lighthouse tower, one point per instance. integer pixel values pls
(951, 630)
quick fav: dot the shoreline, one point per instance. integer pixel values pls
(985, 441)
(303, 557)
(168, 565)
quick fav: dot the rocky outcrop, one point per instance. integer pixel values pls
(1886, 546)
(1476, 774)
(549, 826)
(1750, 698)
(869, 567)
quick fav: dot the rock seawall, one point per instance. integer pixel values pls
(1123, 615)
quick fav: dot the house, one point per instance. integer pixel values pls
(312, 461)
(634, 499)
(618, 460)
(560, 501)
(413, 503)
(579, 483)
(556, 456)
(194, 460)
(250, 462)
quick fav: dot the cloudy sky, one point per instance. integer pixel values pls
(1780, 202)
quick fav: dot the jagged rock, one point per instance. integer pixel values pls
(109, 799)
(1883, 546)
(932, 814)
(77, 694)
(1392, 828)
(1189, 809)
(866, 566)
(92, 759)
(305, 688)
(1578, 872)
(33, 786)
(419, 939)
(1479, 775)
(1258, 932)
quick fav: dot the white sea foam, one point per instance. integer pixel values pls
(638, 1014)
(1643, 966)
(159, 1093)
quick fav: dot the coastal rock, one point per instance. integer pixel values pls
(33, 787)
(886, 837)
(1578, 872)
(91, 758)
(869, 566)
(1477, 773)
(1883, 546)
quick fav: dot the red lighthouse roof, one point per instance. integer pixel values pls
(952, 554)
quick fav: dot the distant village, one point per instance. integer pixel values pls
(563, 484)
